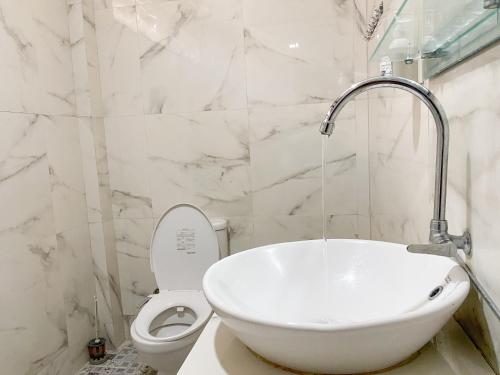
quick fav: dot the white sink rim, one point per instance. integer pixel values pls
(218, 304)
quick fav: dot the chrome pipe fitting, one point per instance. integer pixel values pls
(439, 227)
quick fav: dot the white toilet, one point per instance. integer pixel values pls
(184, 245)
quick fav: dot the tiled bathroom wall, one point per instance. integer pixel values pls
(402, 152)
(46, 267)
(89, 108)
(218, 103)
(471, 96)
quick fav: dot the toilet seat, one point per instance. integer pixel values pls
(159, 303)
(183, 246)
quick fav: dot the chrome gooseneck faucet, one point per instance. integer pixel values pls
(441, 242)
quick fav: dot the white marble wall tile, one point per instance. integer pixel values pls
(101, 153)
(362, 117)
(19, 63)
(81, 19)
(362, 156)
(286, 161)
(364, 227)
(298, 63)
(398, 125)
(24, 165)
(257, 12)
(201, 158)
(400, 227)
(79, 58)
(401, 188)
(89, 169)
(191, 56)
(240, 233)
(137, 281)
(29, 267)
(220, 10)
(29, 262)
(24, 173)
(117, 41)
(127, 160)
(36, 68)
(107, 282)
(53, 52)
(401, 171)
(101, 278)
(474, 176)
(104, 4)
(360, 23)
(114, 329)
(93, 68)
(65, 168)
(95, 169)
(76, 265)
(268, 230)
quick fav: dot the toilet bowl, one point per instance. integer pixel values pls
(183, 246)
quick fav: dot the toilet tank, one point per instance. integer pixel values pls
(221, 229)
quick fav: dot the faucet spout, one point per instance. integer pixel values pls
(438, 227)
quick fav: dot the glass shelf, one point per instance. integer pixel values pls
(440, 33)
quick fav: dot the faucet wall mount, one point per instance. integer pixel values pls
(442, 243)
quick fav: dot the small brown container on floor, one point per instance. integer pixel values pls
(97, 350)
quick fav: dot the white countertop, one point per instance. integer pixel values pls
(219, 352)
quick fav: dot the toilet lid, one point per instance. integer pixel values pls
(184, 245)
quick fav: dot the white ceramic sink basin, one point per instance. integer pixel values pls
(363, 307)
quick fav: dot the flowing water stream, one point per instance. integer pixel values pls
(326, 312)
(324, 148)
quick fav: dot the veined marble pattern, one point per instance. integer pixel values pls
(241, 233)
(137, 281)
(29, 263)
(474, 175)
(107, 282)
(401, 167)
(286, 161)
(77, 278)
(103, 4)
(50, 272)
(295, 11)
(65, 168)
(268, 230)
(298, 62)
(117, 42)
(89, 169)
(46, 256)
(81, 19)
(191, 56)
(200, 158)
(127, 159)
(36, 69)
